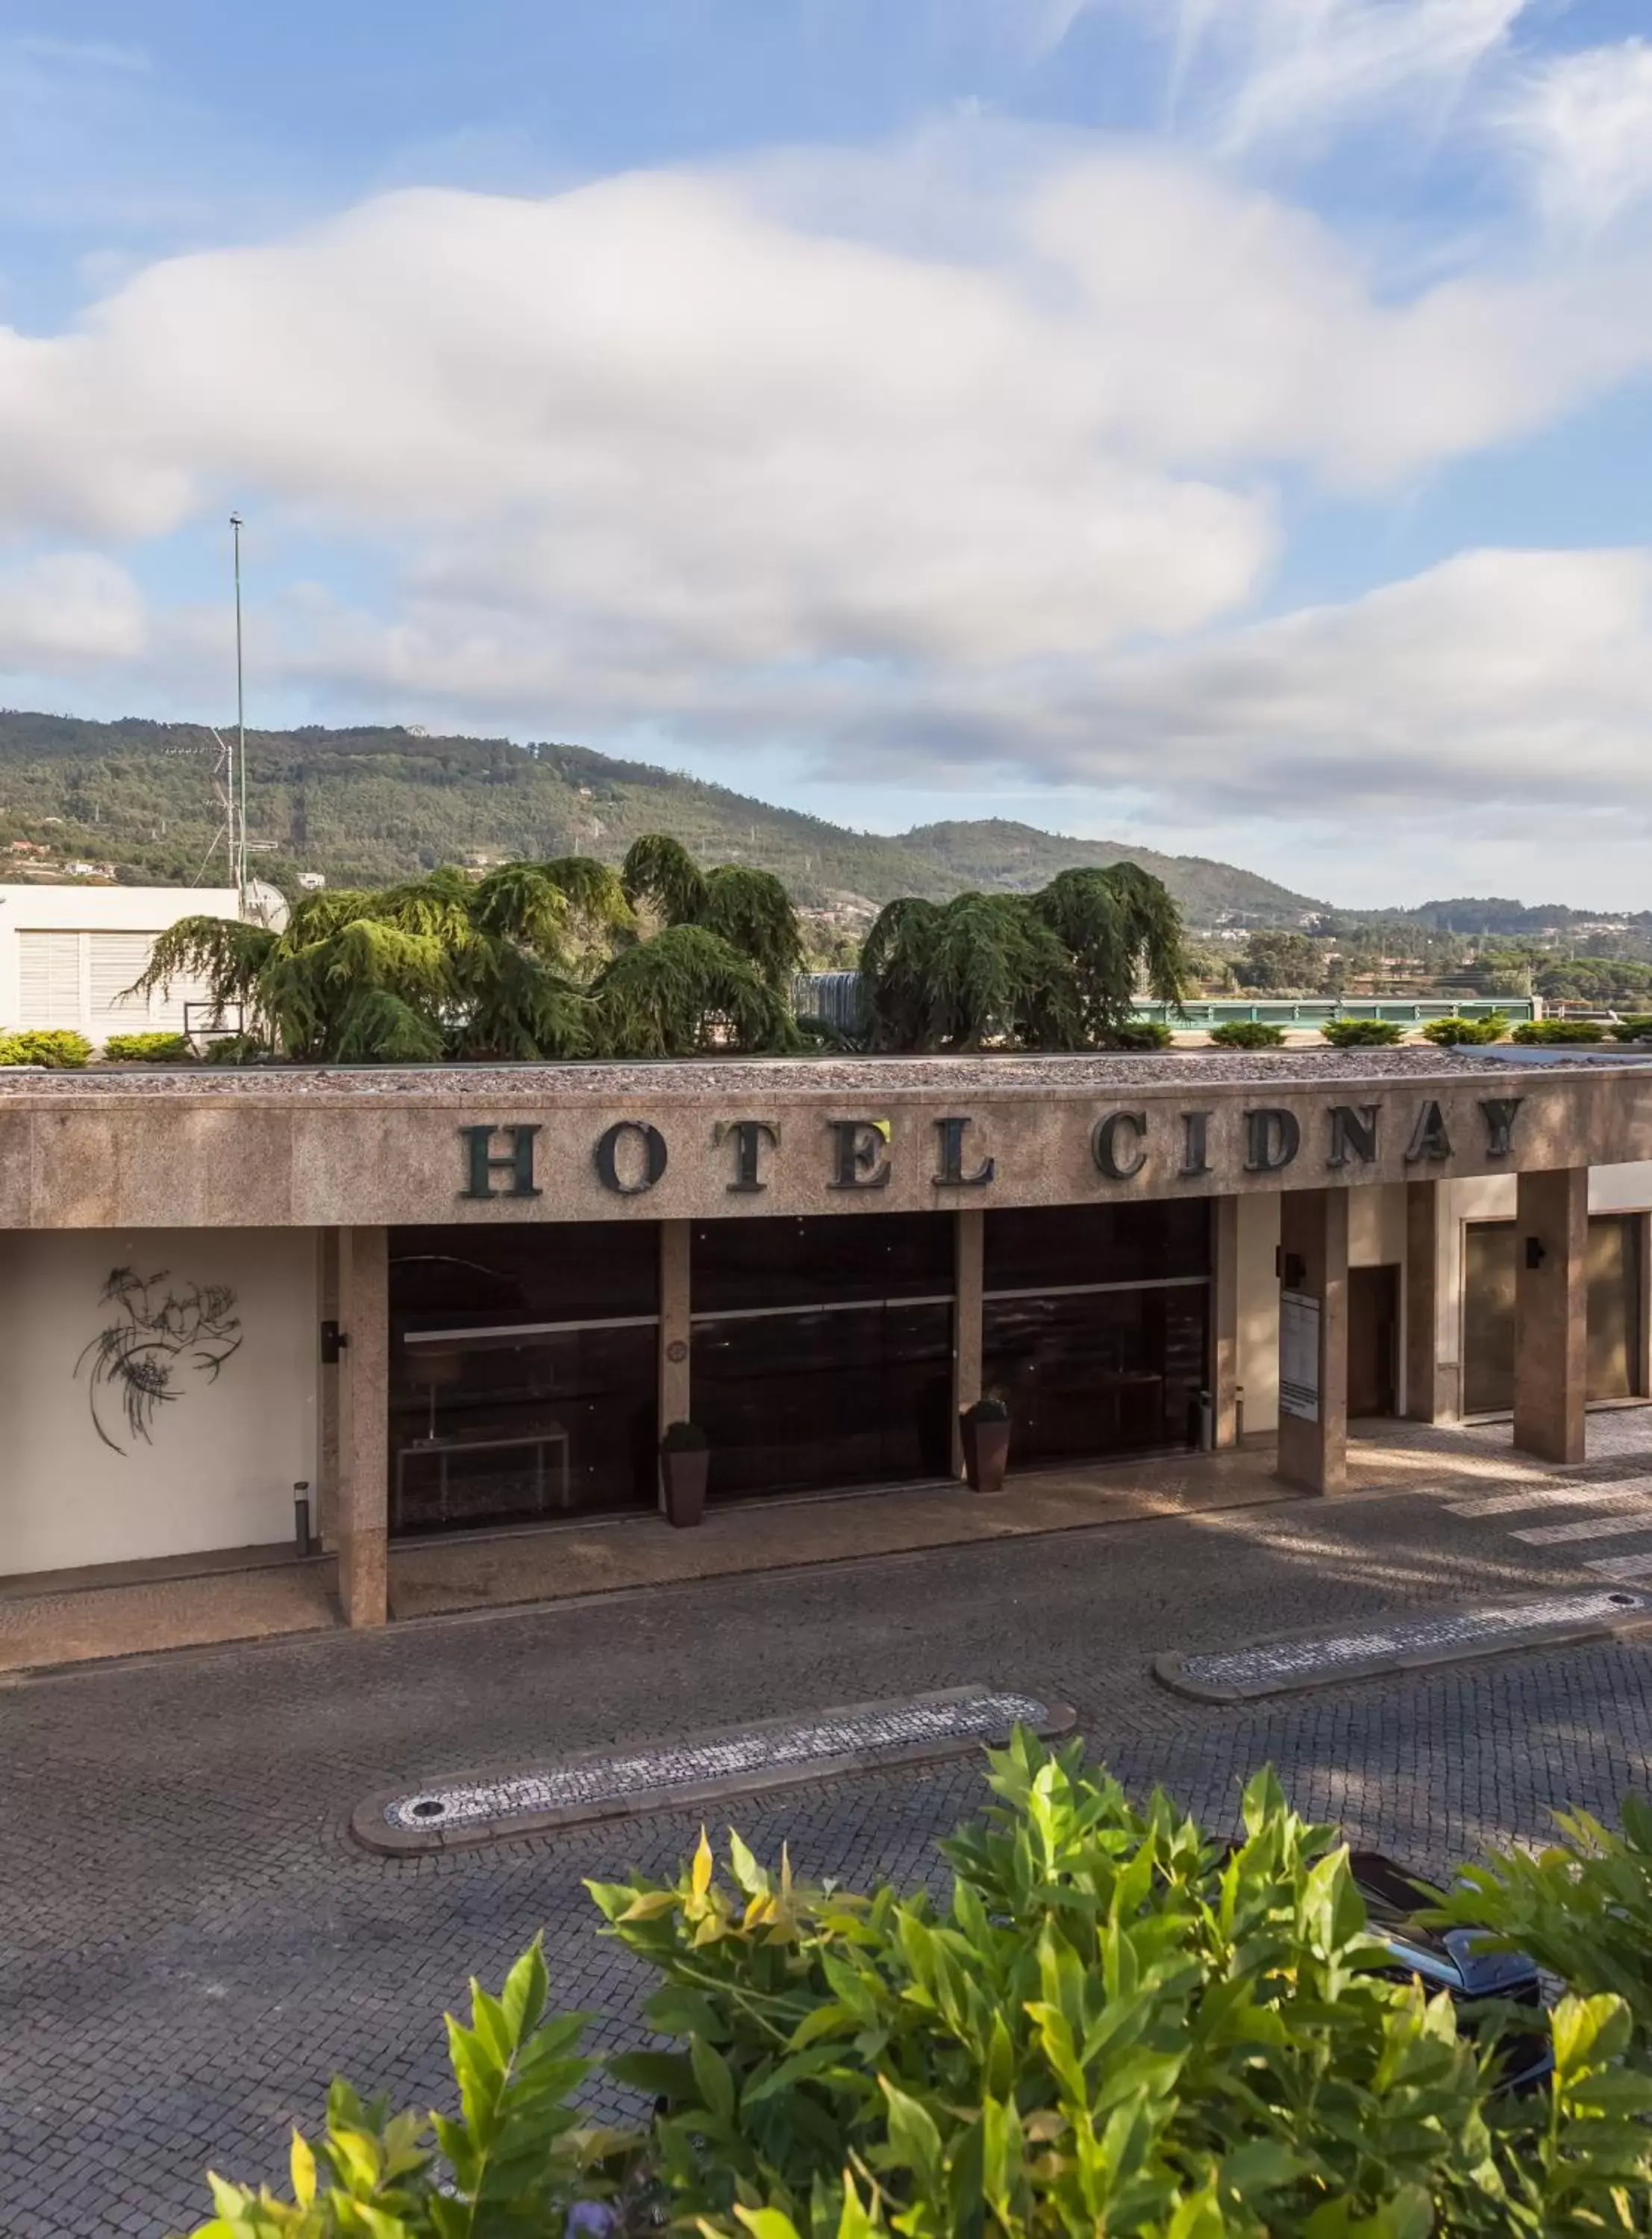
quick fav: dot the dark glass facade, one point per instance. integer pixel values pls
(823, 1350)
(523, 1372)
(1097, 1327)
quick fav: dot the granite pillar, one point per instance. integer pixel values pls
(1313, 1266)
(1551, 1312)
(327, 1380)
(1431, 1372)
(361, 1530)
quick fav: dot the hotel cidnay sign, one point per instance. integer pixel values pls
(630, 1156)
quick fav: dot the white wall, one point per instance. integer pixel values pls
(102, 939)
(218, 1466)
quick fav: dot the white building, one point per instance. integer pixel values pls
(68, 954)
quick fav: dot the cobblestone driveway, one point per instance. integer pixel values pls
(191, 1945)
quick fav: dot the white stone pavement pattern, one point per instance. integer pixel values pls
(192, 1943)
(640, 1771)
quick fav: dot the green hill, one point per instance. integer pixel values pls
(368, 806)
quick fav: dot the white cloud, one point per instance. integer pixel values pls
(1583, 124)
(1292, 74)
(673, 450)
(64, 608)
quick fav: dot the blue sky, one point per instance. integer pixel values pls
(1221, 423)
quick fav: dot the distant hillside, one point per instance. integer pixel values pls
(365, 806)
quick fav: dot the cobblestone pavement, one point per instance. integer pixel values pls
(191, 1944)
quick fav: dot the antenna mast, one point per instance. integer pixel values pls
(238, 776)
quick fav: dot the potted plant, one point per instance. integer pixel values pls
(986, 1430)
(685, 1458)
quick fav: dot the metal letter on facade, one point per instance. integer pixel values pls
(952, 1174)
(1196, 1155)
(480, 1165)
(605, 1158)
(1428, 1138)
(1103, 1145)
(1500, 1123)
(1353, 1133)
(748, 1137)
(1272, 1136)
(858, 1147)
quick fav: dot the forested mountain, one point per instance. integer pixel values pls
(369, 805)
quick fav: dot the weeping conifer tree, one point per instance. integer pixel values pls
(534, 960)
(1054, 970)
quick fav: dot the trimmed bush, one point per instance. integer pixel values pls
(60, 1048)
(1109, 2023)
(1247, 1033)
(1139, 1034)
(684, 1439)
(236, 1049)
(1560, 1030)
(1637, 1029)
(147, 1049)
(1361, 1034)
(988, 1410)
(1456, 1029)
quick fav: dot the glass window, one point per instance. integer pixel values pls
(759, 1262)
(816, 1360)
(793, 1400)
(524, 1370)
(1047, 1247)
(1101, 1372)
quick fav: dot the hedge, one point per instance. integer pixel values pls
(1560, 1030)
(60, 1048)
(147, 1049)
(1247, 1033)
(1361, 1034)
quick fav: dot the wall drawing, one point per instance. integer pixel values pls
(155, 1334)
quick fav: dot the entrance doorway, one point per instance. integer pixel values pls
(1373, 1340)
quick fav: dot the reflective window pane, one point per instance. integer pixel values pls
(1044, 1246)
(762, 1262)
(1098, 1373)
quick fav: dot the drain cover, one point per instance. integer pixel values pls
(599, 1784)
(1317, 1659)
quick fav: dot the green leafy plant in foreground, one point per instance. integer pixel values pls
(1112, 2024)
(158, 1049)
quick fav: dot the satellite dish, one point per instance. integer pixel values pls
(264, 905)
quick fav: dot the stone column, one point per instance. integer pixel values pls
(1224, 1333)
(1431, 1372)
(361, 1532)
(1313, 1263)
(1551, 1312)
(327, 1391)
(675, 1329)
(1643, 1293)
(968, 1247)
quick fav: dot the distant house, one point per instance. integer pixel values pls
(67, 953)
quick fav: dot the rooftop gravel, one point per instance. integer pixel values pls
(835, 1076)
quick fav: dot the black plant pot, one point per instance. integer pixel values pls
(682, 1478)
(987, 1453)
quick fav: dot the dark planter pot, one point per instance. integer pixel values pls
(682, 1478)
(986, 1454)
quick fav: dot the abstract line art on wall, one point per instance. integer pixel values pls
(136, 1361)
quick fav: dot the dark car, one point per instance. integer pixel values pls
(1456, 1960)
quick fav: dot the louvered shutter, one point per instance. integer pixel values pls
(116, 961)
(48, 980)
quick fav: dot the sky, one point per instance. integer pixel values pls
(1221, 425)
